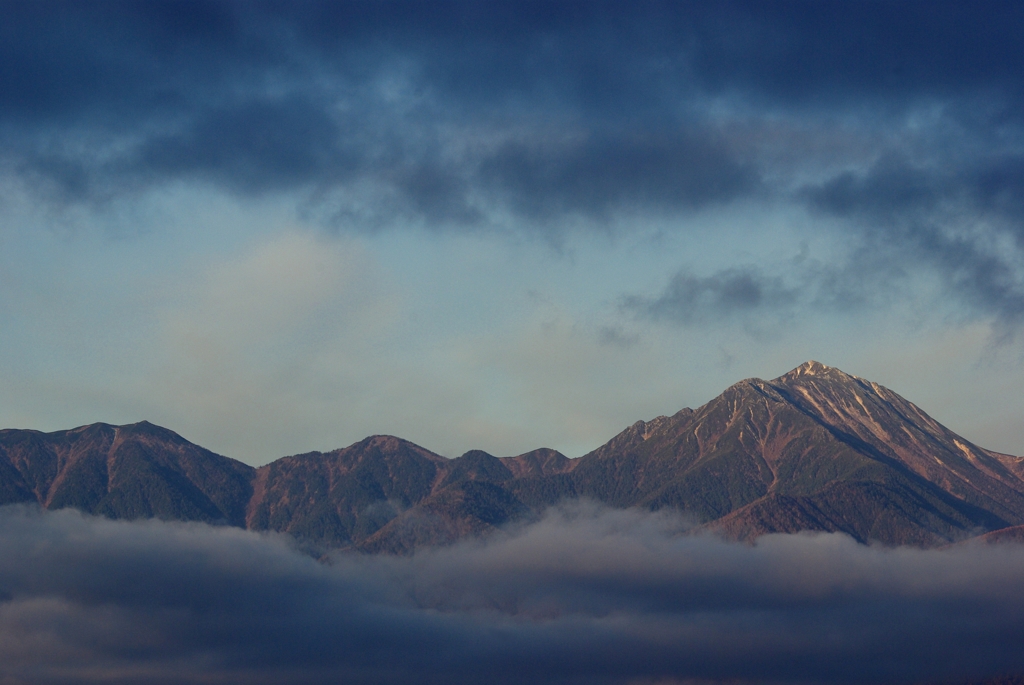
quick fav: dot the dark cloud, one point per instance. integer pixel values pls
(964, 224)
(988, 278)
(602, 173)
(903, 120)
(575, 108)
(794, 51)
(893, 188)
(253, 147)
(775, 292)
(890, 187)
(582, 596)
(960, 223)
(737, 291)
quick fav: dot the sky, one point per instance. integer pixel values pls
(281, 227)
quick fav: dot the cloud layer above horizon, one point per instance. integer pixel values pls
(283, 226)
(583, 595)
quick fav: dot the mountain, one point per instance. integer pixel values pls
(124, 472)
(815, 449)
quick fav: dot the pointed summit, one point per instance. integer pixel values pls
(811, 368)
(816, 370)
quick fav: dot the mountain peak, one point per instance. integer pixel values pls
(815, 369)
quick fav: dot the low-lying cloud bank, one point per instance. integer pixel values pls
(583, 596)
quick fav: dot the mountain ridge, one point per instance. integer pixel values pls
(814, 449)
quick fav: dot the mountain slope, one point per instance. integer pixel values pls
(129, 472)
(815, 449)
(343, 497)
(907, 478)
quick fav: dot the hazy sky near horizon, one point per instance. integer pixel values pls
(279, 227)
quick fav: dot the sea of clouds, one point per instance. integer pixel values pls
(585, 595)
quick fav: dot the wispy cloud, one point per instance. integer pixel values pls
(693, 299)
(773, 293)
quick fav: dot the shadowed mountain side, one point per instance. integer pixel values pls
(343, 497)
(892, 512)
(1013, 534)
(125, 472)
(387, 494)
(478, 493)
(469, 508)
(541, 462)
(883, 425)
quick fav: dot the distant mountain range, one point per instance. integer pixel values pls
(815, 449)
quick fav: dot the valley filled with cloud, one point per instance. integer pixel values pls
(585, 594)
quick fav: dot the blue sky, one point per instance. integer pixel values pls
(278, 227)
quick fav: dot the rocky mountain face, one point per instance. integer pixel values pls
(124, 472)
(815, 449)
